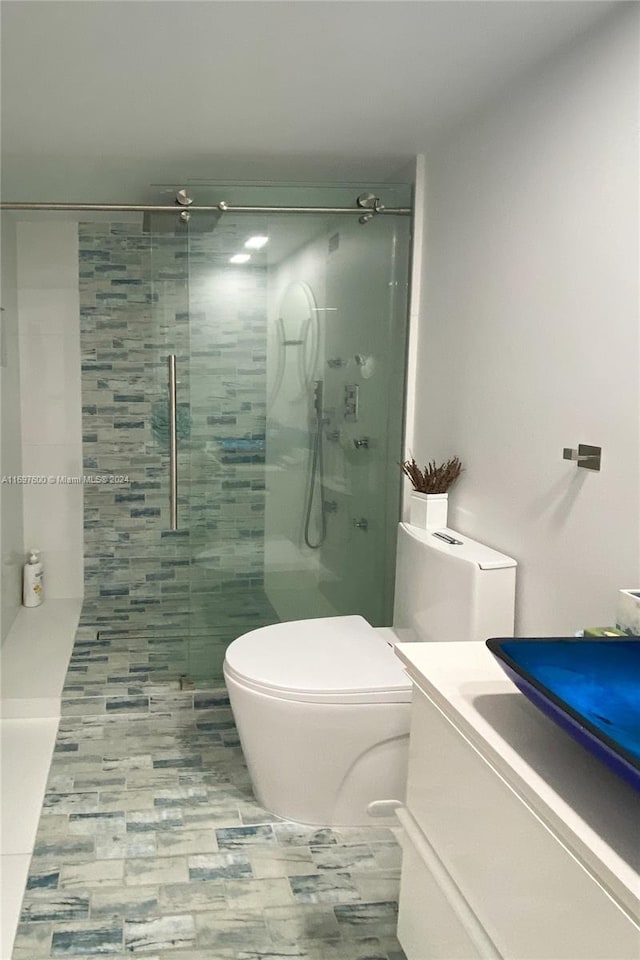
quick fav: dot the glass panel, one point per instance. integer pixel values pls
(296, 379)
(227, 371)
(134, 313)
(169, 336)
(290, 376)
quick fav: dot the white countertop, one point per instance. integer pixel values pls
(594, 812)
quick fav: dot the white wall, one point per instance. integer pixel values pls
(51, 402)
(529, 327)
(11, 539)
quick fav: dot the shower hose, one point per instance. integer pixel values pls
(316, 482)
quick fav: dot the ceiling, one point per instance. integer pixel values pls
(102, 98)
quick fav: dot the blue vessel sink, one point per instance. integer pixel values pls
(590, 687)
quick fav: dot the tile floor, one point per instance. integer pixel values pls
(161, 643)
(151, 842)
(29, 711)
(21, 795)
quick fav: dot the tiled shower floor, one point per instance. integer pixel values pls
(150, 841)
(154, 644)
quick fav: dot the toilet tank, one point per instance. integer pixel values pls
(451, 591)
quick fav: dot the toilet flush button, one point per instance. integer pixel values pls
(448, 539)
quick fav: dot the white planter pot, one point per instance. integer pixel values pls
(628, 612)
(428, 510)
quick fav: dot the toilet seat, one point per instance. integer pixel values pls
(328, 660)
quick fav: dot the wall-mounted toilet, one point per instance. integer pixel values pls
(322, 706)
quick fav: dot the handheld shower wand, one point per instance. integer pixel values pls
(316, 477)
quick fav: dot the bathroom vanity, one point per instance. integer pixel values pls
(518, 844)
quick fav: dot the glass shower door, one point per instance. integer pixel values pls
(288, 333)
(168, 376)
(134, 315)
(227, 377)
(296, 377)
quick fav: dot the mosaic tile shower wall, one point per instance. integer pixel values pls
(142, 297)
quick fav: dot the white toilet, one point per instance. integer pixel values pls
(322, 706)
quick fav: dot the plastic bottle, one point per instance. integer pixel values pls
(32, 581)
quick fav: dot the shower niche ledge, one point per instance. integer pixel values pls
(35, 657)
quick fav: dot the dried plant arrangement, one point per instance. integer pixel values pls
(432, 479)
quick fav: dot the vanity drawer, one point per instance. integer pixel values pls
(428, 926)
(534, 899)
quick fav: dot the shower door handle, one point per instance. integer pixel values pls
(173, 445)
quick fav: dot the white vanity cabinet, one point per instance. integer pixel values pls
(518, 844)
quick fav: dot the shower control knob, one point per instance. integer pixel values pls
(362, 443)
(361, 524)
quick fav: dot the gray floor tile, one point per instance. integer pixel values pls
(159, 933)
(234, 929)
(324, 888)
(192, 896)
(301, 923)
(116, 903)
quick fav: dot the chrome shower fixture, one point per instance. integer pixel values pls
(316, 471)
(184, 200)
(318, 397)
(205, 222)
(370, 203)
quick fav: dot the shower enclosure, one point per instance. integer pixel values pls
(243, 379)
